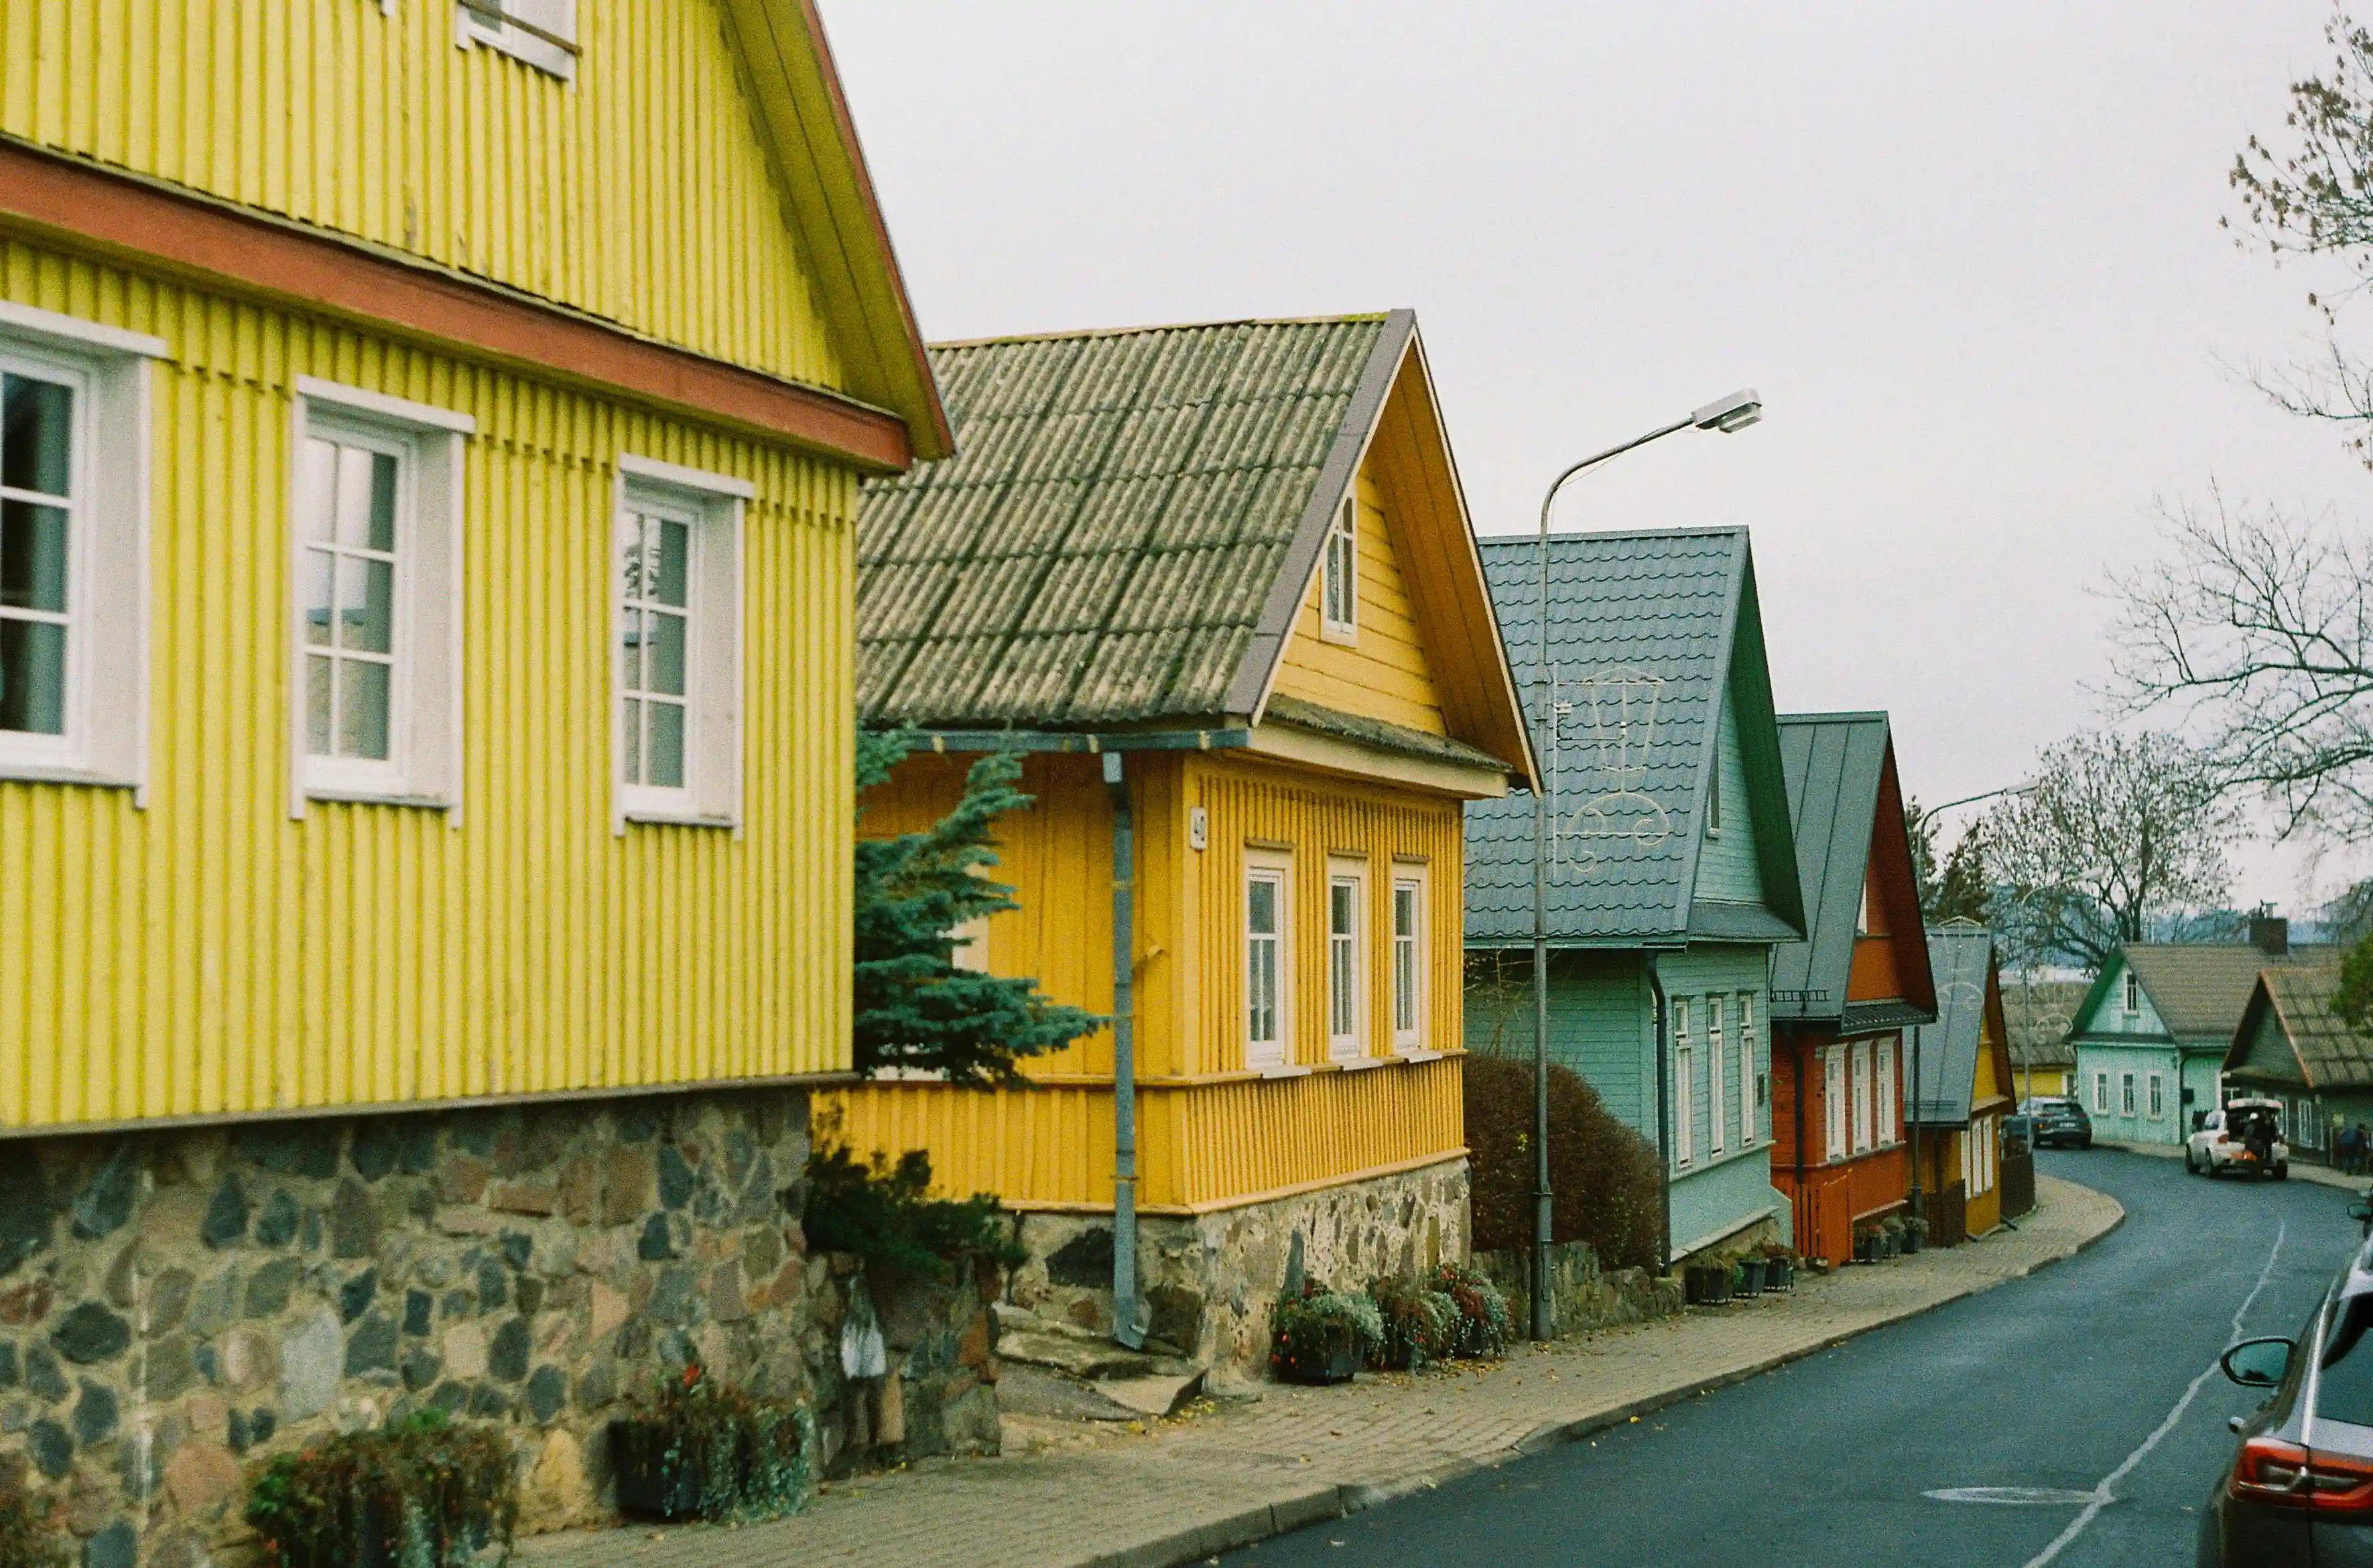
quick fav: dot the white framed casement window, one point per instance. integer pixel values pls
(2134, 998)
(1885, 1052)
(1970, 1163)
(676, 603)
(2157, 1100)
(2101, 1094)
(1751, 1083)
(1833, 1099)
(1714, 800)
(376, 516)
(74, 550)
(1684, 1083)
(1347, 941)
(1862, 1117)
(1268, 957)
(541, 33)
(2125, 1093)
(1862, 912)
(1338, 574)
(1409, 915)
(1717, 1099)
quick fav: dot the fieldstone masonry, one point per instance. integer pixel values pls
(175, 1305)
(1211, 1279)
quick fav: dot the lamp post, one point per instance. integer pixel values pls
(1736, 412)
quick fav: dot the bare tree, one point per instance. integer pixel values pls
(2112, 833)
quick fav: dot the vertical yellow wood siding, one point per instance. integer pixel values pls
(1209, 1131)
(210, 954)
(1384, 672)
(640, 193)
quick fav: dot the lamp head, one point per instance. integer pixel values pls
(1736, 412)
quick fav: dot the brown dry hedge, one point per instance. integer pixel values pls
(1602, 1173)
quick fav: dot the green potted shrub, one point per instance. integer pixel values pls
(422, 1494)
(1750, 1275)
(1323, 1336)
(706, 1449)
(1483, 1327)
(1421, 1324)
(1778, 1268)
(1915, 1235)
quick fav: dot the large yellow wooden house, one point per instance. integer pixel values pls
(1218, 583)
(431, 437)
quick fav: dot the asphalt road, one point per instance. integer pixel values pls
(2055, 1381)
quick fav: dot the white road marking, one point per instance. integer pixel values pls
(2010, 1496)
(2104, 1494)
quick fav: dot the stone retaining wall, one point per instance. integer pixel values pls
(175, 1305)
(1583, 1295)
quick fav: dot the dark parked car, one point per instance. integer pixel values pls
(2058, 1123)
(2300, 1489)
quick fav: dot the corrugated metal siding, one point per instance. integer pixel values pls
(208, 954)
(642, 192)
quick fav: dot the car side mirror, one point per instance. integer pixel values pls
(2258, 1364)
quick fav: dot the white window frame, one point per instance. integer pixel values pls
(2155, 1095)
(1713, 793)
(1341, 553)
(1750, 1074)
(1835, 1113)
(712, 503)
(541, 33)
(424, 762)
(1859, 1064)
(1969, 1162)
(1717, 1097)
(105, 729)
(2100, 1092)
(1275, 867)
(1345, 871)
(2126, 1094)
(1414, 878)
(2133, 995)
(1985, 1154)
(1862, 911)
(1882, 1103)
(1684, 1087)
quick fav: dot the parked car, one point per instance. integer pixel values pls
(2300, 1487)
(2243, 1136)
(2059, 1122)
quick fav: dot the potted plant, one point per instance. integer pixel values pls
(1421, 1324)
(1866, 1245)
(422, 1492)
(1322, 1336)
(1779, 1272)
(1750, 1275)
(1915, 1235)
(1483, 1327)
(706, 1449)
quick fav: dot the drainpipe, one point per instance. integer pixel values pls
(1129, 1309)
(1664, 1124)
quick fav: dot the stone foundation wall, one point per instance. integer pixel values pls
(1209, 1279)
(175, 1305)
(1582, 1296)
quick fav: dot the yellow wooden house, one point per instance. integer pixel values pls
(1959, 1086)
(1218, 582)
(430, 439)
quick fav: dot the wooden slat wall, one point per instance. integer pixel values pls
(640, 193)
(208, 954)
(1385, 673)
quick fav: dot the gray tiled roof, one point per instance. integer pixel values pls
(1834, 762)
(1108, 544)
(2331, 1055)
(1640, 642)
(2200, 989)
(2039, 1013)
(1960, 956)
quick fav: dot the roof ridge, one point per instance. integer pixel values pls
(1343, 319)
(1856, 716)
(1692, 531)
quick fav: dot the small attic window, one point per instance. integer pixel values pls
(541, 33)
(2133, 994)
(1713, 802)
(1339, 577)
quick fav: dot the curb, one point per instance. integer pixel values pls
(1341, 1499)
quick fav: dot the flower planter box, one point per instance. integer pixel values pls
(649, 1485)
(1750, 1277)
(1334, 1359)
(1778, 1275)
(1706, 1285)
(1911, 1242)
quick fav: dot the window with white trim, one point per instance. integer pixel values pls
(1717, 1100)
(1684, 1081)
(1269, 979)
(1885, 1052)
(1347, 991)
(541, 33)
(2125, 1093)
(678, 608)
(1751, 1085)
(2101, 1094)
(1862, 912)
(1833, 1100)
(2157, 1100)
(2133, 994)
(376, 516)
(1862, 1117)
(1339, 588)
(1409, 957)
(74, 523)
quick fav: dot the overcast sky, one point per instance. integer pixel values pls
(1968, 254)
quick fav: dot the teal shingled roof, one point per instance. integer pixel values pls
(1942, 1071)
(1125, 528)
(1644, 629)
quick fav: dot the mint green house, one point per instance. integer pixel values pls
(1672, 865)
(2152, 1035)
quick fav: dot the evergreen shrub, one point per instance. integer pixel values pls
(885, 1214)
(1602, 1173)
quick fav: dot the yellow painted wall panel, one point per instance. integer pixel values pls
(209, 954)
(1383, 673)
(642, 192)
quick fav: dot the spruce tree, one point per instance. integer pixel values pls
(915, 1008)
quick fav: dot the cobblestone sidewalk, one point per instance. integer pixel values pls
(1191, 1488)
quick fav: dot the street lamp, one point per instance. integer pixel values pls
(1726, 414)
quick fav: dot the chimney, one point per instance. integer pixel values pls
(2269, 934)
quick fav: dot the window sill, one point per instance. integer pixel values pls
(28, 771)
(1285, 1070)
(677, 819)
(1363, 1063)
(1342, 636)
(351, 797)
(1410, 1055)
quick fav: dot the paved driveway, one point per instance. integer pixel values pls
(2060, 1381)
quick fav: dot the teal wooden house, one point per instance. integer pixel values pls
(1672, 870)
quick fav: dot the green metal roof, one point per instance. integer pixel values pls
(1645, 630)
(1127, 527)
(1944, 1067)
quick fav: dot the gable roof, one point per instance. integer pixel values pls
(2039, 1013)
(1944, 1054)
(830, 192)
(1647, 630)
(2198, 988)
(1135, 519)
(1846, 804)
(2327, 1052)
